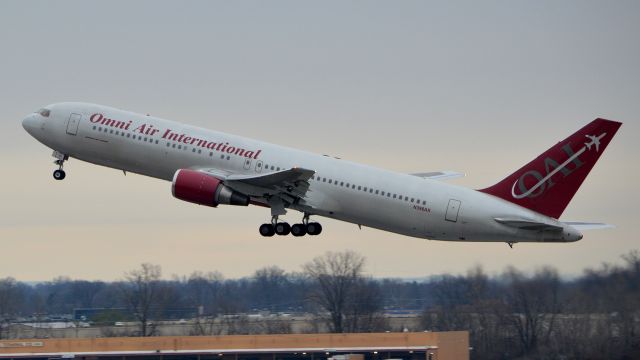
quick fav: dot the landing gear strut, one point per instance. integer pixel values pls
(59, 174)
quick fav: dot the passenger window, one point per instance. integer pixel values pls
(211, 153)
(157, 141)
(411, 199)
(406, 198)
(128, 135)
(365, 189)
(199, 151)
(394, 196)
(228, 157)
(358, 187)
(376, 192)
(222, 157)
(371, 191)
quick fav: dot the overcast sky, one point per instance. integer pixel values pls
(476, 87)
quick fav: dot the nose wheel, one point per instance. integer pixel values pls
(59, 174)
(60, 159)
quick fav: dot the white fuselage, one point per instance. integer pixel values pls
(396, 202)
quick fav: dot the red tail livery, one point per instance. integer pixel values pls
(547, 184)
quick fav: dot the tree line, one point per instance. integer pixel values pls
(512, 314)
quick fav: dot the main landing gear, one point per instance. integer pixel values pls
(60, 159)
(283, 228)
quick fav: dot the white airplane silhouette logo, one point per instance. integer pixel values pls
(595, 140)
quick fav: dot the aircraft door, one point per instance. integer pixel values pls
(452, 210)
(72, 124)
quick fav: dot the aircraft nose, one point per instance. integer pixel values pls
(30, 123)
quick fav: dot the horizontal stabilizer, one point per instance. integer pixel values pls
(528, 224)
(581, 225)
(439, 175)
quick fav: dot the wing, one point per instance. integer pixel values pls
(439, 175)
(281, 188)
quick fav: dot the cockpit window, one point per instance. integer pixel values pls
(44, 112)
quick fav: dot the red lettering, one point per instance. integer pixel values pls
(95, 118)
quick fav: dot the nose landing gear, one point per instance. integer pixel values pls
(59, 174)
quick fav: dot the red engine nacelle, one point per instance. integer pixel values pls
(203, 189)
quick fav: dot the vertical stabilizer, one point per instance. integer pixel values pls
(547, 184)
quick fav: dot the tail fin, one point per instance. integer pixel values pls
(547, 184)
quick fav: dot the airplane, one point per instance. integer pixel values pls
(594, 140)
(212, 168)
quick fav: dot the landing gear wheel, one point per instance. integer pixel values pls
(59, 174)
(282, 228)
(267, 230)
(298, 230)
(314, 228)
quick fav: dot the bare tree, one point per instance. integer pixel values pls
(364, 307)
(8, 303)
(142, 293)
(269, 285)
(204, 292)
(336, 276)
(534, 306)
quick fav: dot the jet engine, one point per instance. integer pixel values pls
(200, 188)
